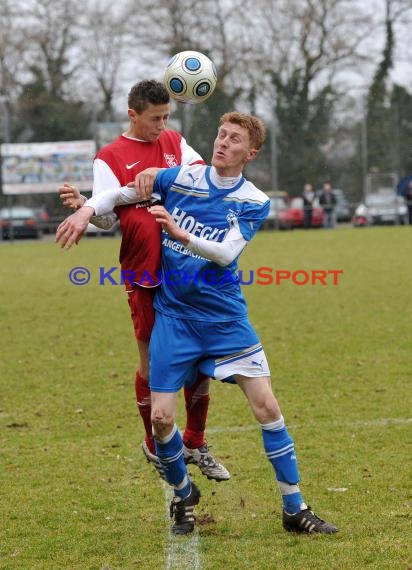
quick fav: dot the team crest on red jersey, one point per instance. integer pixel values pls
(170, 160)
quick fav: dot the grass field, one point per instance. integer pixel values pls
(75, 492)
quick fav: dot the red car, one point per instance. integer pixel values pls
(277, 217)
(294, 214)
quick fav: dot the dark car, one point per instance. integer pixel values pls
(342, 210)
(43, 218)
(19, 222)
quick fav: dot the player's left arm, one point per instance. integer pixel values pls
(225, 252)
(222, 253)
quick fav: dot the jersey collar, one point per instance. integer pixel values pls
(223, 182)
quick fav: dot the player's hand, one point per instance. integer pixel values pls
(143, 183)
(72, 229)
(163, 217)
(70, 196)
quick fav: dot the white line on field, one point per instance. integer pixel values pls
(384, 422)
(183, 551)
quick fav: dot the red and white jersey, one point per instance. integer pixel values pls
(116, 165)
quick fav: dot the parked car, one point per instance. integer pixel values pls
(342, 210)
(294, 213)
(277, 217)
(19, 222)
(381, 208)
(42, 218)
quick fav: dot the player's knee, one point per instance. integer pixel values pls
(162, 421)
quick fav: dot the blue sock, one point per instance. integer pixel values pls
(170, 453)
(280, 451)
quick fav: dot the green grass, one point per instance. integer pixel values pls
(75, 492)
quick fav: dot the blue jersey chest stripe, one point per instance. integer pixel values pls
(241, 200)
(189, 190)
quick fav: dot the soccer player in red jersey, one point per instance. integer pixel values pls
(148, 144)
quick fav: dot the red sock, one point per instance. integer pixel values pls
(145, 408)
(197, 405)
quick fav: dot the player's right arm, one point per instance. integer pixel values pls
(72, 229)
(103, 179)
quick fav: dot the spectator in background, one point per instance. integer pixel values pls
(327, 201)
(308, 196)
(408, 198)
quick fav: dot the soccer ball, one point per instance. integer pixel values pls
(190, 77)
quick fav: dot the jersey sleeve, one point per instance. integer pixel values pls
(222, 253)
(252, 218)
(104, 202)
(103, 179)
(189, 155)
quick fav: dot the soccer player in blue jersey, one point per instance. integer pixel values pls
(208, 216)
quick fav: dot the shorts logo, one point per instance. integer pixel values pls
(170, 160)
(258, 363)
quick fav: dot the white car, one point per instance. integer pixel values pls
(381, 208)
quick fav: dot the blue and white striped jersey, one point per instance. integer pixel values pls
(194, 287)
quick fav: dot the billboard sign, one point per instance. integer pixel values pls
(33, 168)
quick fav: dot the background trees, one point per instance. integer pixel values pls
(322, 73)
(304, 71)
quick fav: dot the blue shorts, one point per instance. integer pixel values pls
(178, 347)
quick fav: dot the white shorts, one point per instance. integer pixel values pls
(251, 362)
